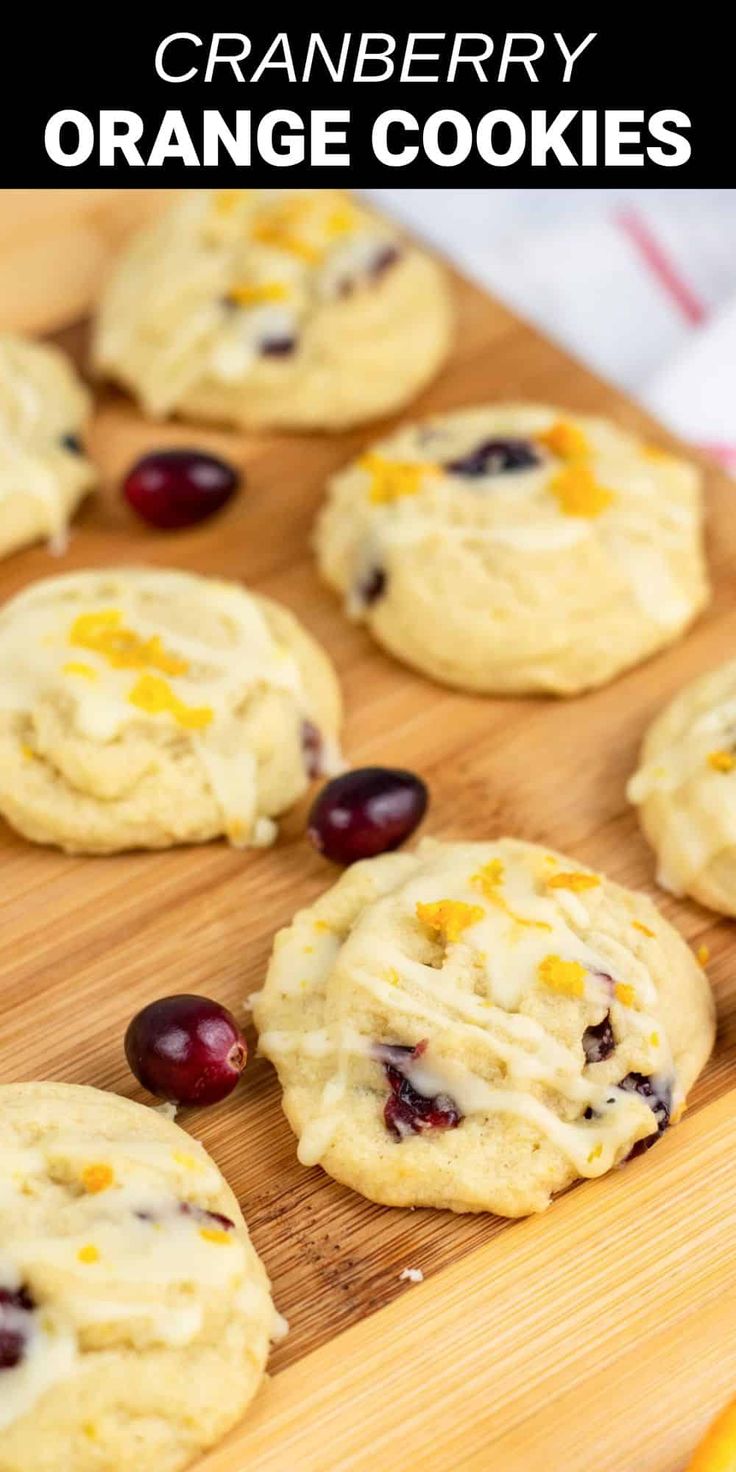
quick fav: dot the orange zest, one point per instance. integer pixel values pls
(449, 918)
(156, 697)
(578, 493)
(565, 439)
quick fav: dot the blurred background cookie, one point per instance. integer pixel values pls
(684, 790)
(273, 309)
(516, 548)
(44, 472)
(141, 708)
(135, 1316)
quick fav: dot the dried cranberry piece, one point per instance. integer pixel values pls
(312, 749)
(384, 259)
(598, 1041)
(277, 347)
(200, 1214)
(14, 1302)
(659, 1099)
(372, 587)
(407, 1112)
(495, 457)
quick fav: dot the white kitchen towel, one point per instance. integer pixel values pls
(641, 285)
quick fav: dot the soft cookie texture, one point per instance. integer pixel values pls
(685, 790)
(273, 308)
(135, 1316)
(43, 470)
(476, 1025)
(516, 548)
(141, 708)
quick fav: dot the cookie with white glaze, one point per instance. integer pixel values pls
(516, 548)
(141, 708)
(476, 1025)
(685, 788)
(277, 309)
(44, 473)
(135, 1316)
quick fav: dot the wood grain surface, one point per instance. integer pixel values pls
(601, 1335)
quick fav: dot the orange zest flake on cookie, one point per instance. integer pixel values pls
(217, 1236)
(104, 633)
(256, 293)
(567, 978)
(89, 1253)
(392, 479)
(155, 696)
(97, 1178)
(75, 667)
(722, 761)
(489, 880)
(578, 493)
(624, 993)
(577, 880)
(340, 220)
(278, 225)
(449, 918)
(639, 925)
(227, 200)
(565, 440)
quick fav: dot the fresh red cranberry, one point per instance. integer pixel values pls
(186, 1049)
(372, 586)
(366, 812)
(659, 1098)
(15, 1305)
(278, 347)
(598, 1041)
(312, 749)
(495, 457)
(177, 488)
(407, 1112)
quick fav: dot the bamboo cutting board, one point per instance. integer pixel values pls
(600, 1335)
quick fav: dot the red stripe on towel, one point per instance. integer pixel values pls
(661, 265)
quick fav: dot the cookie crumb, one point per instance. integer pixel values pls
(411, 1275)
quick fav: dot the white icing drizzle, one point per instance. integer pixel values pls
(128, 1255)
(40, 660)
(185, 315)
(515, 929)
(639, 530)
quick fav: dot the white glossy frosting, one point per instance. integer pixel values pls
(523, 921)
(60, 642)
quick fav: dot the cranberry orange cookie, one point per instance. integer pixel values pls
(685, 789)
(141, 708)
(514, 549)
(135, 1316)
(273, 308)
(476, 1025)
(43, 470)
